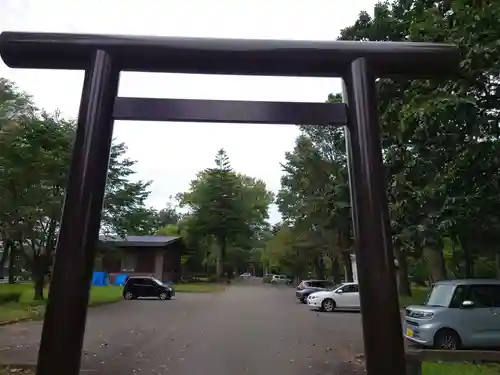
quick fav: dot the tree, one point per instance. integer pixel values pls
(314, 197)
(35, 152)
(34, 158)
(226, 206)
(439, 140)
(169, 215)
(124, 209)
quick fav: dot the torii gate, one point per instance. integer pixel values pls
(103, 57)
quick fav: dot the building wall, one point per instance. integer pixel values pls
(172, 264)
(162, 263)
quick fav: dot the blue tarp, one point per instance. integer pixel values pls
(100, 279)
(121, 279)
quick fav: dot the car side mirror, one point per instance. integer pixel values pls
(340, 291)
(468, 304)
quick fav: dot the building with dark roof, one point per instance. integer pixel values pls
(158, 256)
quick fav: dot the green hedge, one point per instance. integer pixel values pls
(7, 297)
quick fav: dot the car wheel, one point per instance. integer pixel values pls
(128, 296)
(328, 305)
(447, 339)
(164, 296)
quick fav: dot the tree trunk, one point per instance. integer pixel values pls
(12, 260)
(38, 287)
(468, 261)
(404, 286)
(5, 255)
(223, 251)
(319, 267)
(455, 257)
(497, 258)
(38, 278)
(436, 264)
(219, 269)
(468, 255)
(346, 257)
(337, 277)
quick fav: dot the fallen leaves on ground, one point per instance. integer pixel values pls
(16, 371)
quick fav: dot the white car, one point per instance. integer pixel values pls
(245, 275)
(342, 296)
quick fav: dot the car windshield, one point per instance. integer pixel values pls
(334, 286)
(440, 296)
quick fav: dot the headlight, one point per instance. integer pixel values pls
(427, 315)
(422, 314)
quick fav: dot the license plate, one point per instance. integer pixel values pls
(409, 332)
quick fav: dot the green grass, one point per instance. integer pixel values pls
(419, 295)
(433, 368)
(27, 308)
(198, 287)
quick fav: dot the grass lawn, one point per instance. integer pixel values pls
(199, 287)
(432, 368)
(27, 308)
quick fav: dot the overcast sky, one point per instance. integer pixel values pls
(170, 154)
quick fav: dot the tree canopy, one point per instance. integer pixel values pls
(440, 149)
(227, 212)
(35, 153)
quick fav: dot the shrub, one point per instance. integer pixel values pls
(8, 297)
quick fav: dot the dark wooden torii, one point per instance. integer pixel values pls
(103, 57)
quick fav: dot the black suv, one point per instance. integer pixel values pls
(145, 286)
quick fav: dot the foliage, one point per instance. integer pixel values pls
(169, 215)
(315, 203)
(35, 152)
(227, 214)
(440, 143)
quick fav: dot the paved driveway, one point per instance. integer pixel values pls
(248, 329)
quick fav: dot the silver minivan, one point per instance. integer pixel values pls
(457, 313)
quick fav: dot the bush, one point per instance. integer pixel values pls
(8, 297)
(200, 278)
(267, 279)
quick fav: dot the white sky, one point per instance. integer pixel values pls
(170, 154)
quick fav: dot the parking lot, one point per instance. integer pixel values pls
(251, 328)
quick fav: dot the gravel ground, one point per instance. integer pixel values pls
(251, 328)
